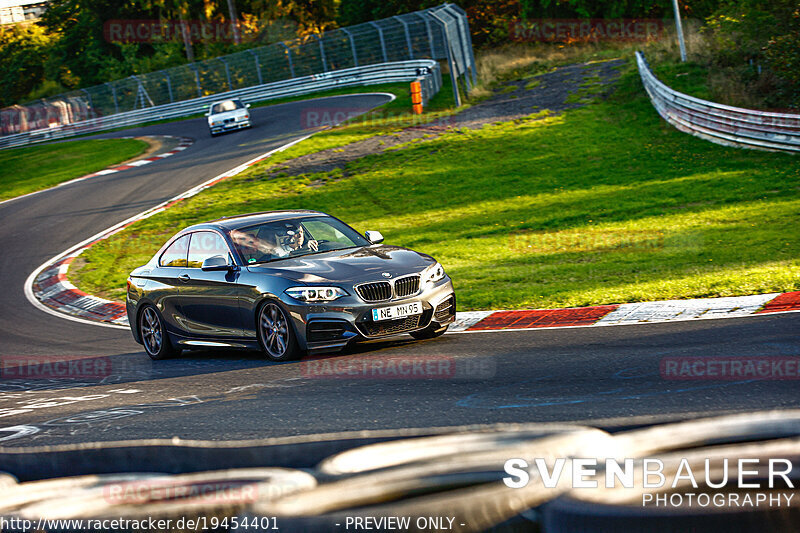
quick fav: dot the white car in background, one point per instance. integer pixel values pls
(228, 115)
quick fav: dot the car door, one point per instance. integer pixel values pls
(209, 301)
(163, 286)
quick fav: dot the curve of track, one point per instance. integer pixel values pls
(608, 375)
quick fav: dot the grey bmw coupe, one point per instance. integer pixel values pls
(287, 283)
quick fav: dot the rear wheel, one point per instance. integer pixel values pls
(154, 335)
(275, 334)
(430, 332)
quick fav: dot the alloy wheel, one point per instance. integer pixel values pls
(150, 328)
(274, 331)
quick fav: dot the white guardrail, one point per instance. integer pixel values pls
(425, 70)
(721, 124)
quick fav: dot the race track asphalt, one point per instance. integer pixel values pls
(610, 376)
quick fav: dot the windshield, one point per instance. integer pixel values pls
(227, 105)
(275, 240)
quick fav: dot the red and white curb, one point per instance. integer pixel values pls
(633, 313)
(184, 143)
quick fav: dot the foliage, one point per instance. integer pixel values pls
(761, 41)
(67, 49)
(23, 53)
(592, 8)
(490, 19)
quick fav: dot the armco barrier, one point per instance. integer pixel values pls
(721, 124)
(425, 70)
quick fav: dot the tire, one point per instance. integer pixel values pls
(154, 335)
(429, 333)
(275, 333)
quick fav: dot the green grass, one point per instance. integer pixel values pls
(29, 169)
(532, 84)
(603, 204)
(384, 120)
(690, 78)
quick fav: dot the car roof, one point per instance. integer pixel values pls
(250, 219)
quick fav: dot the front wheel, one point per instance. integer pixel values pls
(153, 334)
(275, 334)
(431, 332)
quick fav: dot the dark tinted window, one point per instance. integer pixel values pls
(175, 255)
(205, 244)
(294, 237)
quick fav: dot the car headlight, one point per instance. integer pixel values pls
(215, 123)
(433, 273)
(243, 118)
(316, 294)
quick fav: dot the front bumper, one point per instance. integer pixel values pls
(221, 128)
(331, 326)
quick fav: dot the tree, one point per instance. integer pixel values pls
(23, 54)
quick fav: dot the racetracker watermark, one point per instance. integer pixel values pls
(399, 367)
(148, 31)
(52, 366)
(576, 30)
(328, 117)
(730, 368)
(196, 31)
(208, 492)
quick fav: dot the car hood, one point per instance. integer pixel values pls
(354, 265)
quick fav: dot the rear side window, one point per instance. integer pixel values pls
(206, 244)
(175, 255)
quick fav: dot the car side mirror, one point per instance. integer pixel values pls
(374, 237)
(216, 263)
(247, 106)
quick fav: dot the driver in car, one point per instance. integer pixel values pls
(273, 242)
(294, 239)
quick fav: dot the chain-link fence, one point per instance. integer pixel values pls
(440, 33)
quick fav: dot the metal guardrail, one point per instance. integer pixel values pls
(721, 124)
(426, 71)
(439, 33)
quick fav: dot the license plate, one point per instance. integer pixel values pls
(398, 311)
